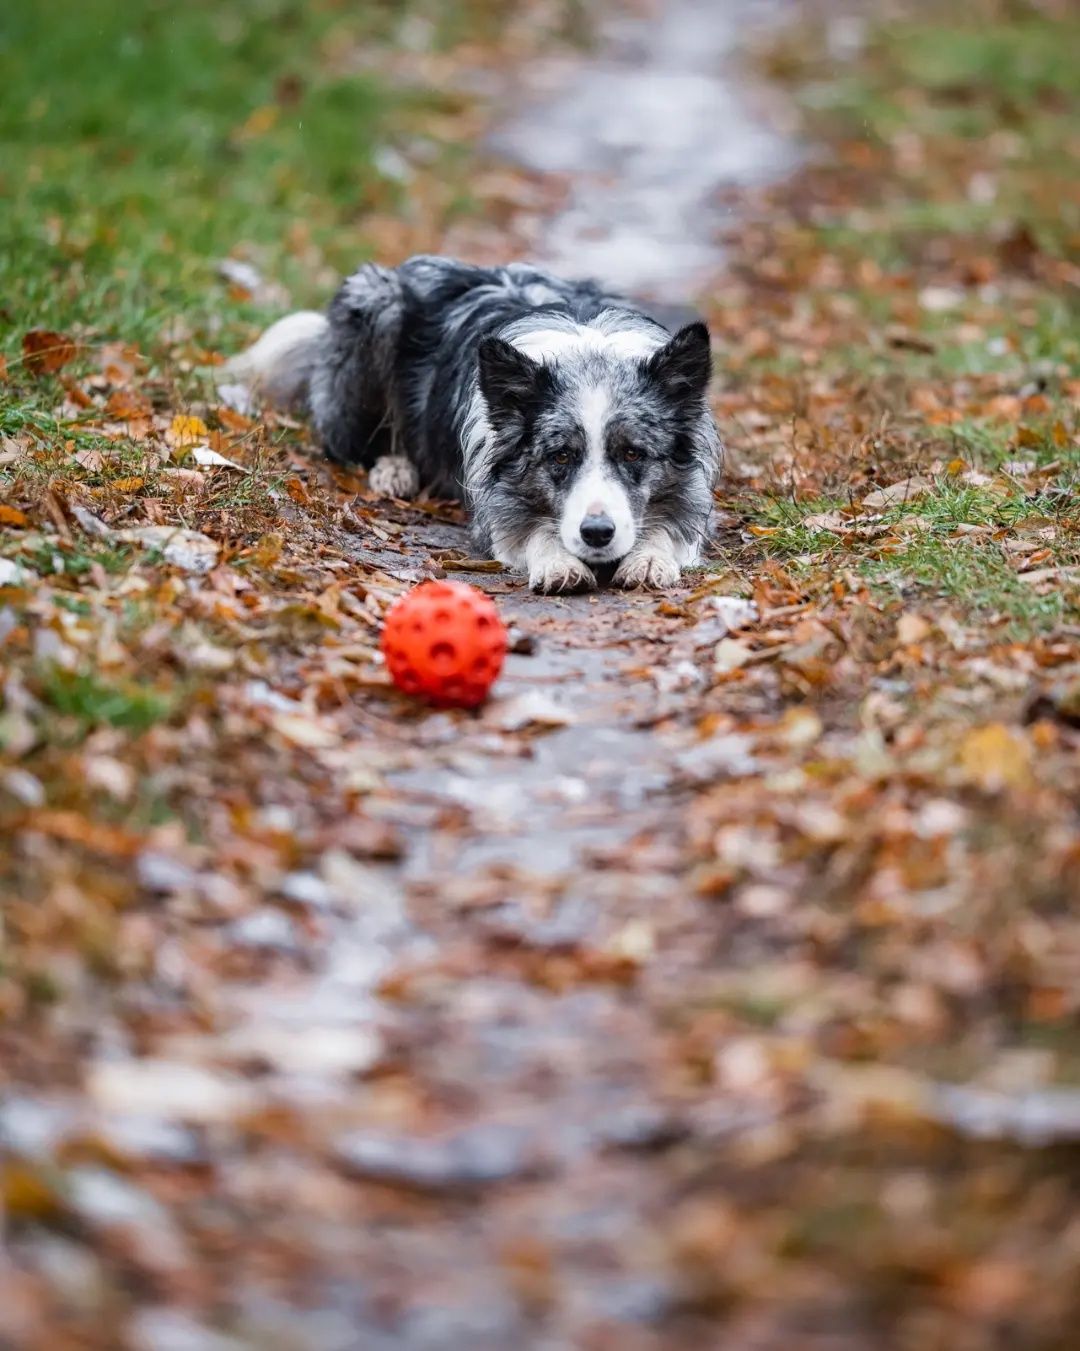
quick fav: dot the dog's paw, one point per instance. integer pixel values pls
(654, 570)
(561, 573)
(393, 476)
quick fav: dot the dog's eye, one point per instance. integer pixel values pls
(631, 453)
(561, 457)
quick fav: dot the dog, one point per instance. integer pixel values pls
(575, 427)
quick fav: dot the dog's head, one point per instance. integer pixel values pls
(596, 437)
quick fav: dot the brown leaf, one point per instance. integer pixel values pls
(45, 352)
(907, 490)
(471, 565)
(124, 404)
(77, 829)
(835, 522)
(906, 340)
(911, 628)
(91, 460)
(268, 549)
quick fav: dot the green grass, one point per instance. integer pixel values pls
(949, 96)
(975, 576)
(922, 552)
(974, 91)
(140, 143)
(94, 702)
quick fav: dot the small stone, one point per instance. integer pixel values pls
(477, 1157)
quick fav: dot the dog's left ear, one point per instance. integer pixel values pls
(683, 366)
(512, 383)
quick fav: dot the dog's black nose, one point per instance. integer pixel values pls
(597, 531)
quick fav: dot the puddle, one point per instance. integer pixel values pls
(650, 127)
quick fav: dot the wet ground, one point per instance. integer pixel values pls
(648, 129)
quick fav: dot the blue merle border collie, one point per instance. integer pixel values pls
(575, 427)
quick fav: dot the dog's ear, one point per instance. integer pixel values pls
(512, 383)
(683, 366)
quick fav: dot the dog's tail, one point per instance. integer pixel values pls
(279, 365)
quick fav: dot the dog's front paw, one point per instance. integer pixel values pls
(648, 568)
(393, 476)
(561, 573)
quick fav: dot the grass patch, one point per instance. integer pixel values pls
(915, 548)
(976, 576)
(142, 143)
(93, 702)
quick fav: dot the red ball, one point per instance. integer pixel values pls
(445, 642)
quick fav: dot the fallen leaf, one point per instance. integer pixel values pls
(471, 565)
(12, 515)
(160, 1088)
(91, 460)
(186, 431)
(12, 573)
(533, 708)
(835, 522)
(45, 352)
(730, 654)
(734, 612)
(995, 757)
(268, 549)
(124, 405)
(93, 525)
(301, 730)
(188, 550)
(911, 628)
(907, 490)
(205, 456)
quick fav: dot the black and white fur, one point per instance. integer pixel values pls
(575, 426)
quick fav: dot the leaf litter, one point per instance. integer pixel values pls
(716, 985)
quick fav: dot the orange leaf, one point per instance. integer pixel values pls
(236, 422)
(259, 121)
(268, 549)
(76, 829)
(124, 404)
(45, 351)
(127, 485)
(12, 516)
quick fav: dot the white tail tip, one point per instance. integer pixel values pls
(278, 366)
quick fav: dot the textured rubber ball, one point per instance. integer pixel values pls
(444, 642)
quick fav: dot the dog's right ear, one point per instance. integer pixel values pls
(512, 384)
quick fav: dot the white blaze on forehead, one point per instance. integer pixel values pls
(593, 409)
(549, 344)
(595, 490)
